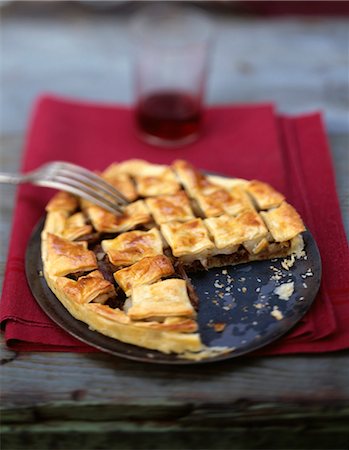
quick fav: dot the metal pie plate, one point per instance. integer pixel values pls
(238, 306)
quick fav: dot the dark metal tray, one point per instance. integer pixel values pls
(239, 301)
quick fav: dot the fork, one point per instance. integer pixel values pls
(74, 179)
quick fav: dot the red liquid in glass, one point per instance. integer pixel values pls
(169, 115)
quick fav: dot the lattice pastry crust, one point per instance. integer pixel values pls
(123, 275)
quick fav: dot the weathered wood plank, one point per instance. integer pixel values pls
(240, 412)
(32, 379)
(145, 435)
(339, 144)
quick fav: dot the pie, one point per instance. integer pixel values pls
(125, 276)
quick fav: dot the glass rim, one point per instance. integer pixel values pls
(143, 27)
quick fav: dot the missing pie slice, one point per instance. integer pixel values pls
(126, 276)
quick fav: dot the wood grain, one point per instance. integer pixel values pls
(161, 436)
(236, 381)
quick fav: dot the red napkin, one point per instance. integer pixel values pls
(244, 141)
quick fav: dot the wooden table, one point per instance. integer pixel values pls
(77, 401)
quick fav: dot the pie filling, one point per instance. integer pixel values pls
(127, 277)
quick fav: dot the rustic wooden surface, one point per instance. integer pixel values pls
(72, 401)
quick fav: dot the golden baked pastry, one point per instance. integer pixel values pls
(132, 246)
(169, 208)
(145, 271)
(125, 276)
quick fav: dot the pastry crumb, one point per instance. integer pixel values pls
(276, 277)
(285, 290)
(288, 263)
(219, 327)
(277, 314)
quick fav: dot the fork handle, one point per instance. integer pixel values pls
(11, 178)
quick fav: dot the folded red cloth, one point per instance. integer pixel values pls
(244, 141)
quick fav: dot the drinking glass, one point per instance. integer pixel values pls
(171, 60)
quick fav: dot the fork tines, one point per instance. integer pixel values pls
(88, 185)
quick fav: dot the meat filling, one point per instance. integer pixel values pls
(193, 297)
